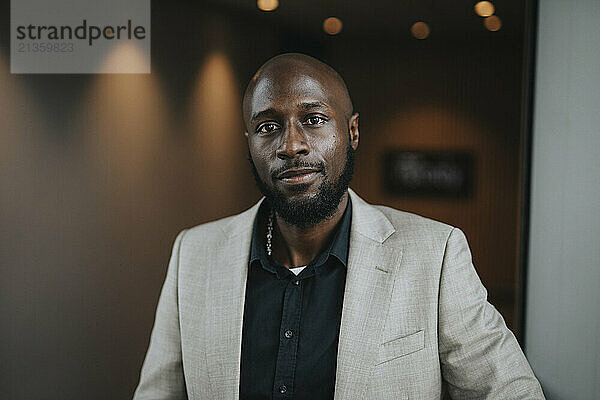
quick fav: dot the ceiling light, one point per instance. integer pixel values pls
(267, 5)
(484, 8)
(420, 30)
(493, 23)
(332, 25)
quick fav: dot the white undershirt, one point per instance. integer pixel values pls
(297, 270)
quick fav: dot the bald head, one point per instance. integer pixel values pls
(292, 71)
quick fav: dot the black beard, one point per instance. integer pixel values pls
(309, 212)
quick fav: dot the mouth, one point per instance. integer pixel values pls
(298, 175)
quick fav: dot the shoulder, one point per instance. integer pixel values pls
(420, 238)
(408, 224)
(215, 232)
(396, 227)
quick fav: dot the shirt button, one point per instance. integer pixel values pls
(288, 334)
(297, 282)
(282, 389)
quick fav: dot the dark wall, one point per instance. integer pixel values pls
(99, 173)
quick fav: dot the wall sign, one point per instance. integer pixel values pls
(429, 173)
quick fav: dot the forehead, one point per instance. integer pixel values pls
(285, 91)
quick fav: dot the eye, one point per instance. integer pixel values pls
(314, 120)
(267, 127)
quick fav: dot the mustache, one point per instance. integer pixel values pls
(298, 164)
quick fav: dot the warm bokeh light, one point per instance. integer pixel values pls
(125, 58)
(493, 23)
(332, 25)
(484, 8)
(267, 5)
(24, 149)
(217, 128)
(420, 30)
(124, 119)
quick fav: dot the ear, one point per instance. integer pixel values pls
(353, 129)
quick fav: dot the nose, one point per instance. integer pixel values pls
(293, 143)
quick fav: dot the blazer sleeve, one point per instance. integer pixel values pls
(162, 372)
(480, 357)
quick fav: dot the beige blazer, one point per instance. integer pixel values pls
(415, 318)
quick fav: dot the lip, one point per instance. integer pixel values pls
(294, 172)
(298, 175)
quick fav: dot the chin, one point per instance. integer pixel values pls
(304, 190)
(307, 191)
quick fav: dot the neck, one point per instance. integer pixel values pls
(294, 246)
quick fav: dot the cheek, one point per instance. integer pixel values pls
(333, 151)
(260, 157)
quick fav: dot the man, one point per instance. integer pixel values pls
(315, 294)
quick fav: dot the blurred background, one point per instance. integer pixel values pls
(491, 108)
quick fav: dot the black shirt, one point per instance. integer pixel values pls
(292, 323)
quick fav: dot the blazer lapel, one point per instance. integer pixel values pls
(225, 296)
(369, 285)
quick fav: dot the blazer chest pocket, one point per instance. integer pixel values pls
(401, 346)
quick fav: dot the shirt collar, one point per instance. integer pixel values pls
(338, 246)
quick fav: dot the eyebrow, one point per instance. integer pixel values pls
(304, 106)
(314, 104)
(260, 114)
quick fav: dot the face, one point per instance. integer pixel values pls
(301, 145)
